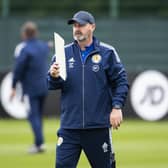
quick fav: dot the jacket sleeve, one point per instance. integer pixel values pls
(21, 63)
(117, 78)
(54, 83)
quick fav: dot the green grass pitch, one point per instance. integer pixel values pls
(138, 144)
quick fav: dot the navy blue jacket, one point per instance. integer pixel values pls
(31, 67)
(92, 88)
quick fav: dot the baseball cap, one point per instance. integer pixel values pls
(82, 17)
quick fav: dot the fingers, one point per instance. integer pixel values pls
(54, 70)
(116, 118)
(116, 124)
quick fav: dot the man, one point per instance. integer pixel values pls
(92, 96)
(30, 70)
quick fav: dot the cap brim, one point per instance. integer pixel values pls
(75, 20)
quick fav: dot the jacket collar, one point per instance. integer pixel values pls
(96, 44)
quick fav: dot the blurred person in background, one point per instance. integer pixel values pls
(92, 97)
(31, 64)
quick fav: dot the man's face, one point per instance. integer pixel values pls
(83, 32)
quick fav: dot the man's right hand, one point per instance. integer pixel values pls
(54, 70)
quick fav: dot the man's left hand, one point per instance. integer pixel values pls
(116, 118)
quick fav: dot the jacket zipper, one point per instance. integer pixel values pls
(83, 93)
(83, 87)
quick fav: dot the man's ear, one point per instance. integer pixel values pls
(93, 27)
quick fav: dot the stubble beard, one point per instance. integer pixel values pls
(80, 37)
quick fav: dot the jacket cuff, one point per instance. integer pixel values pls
(55, 79)
(117, 105)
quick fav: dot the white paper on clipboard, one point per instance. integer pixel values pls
(60, 54)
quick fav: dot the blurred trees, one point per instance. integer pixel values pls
(65, 8)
